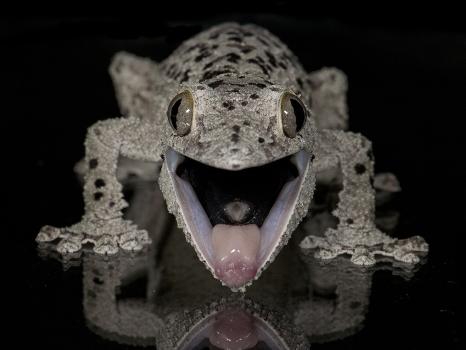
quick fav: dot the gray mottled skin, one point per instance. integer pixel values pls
(236, 75)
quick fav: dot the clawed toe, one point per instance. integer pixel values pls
(106, 245)
(363, 260)
(48, 234)
(325, 254)
(409, 258)
(134, 240)
(69, 245)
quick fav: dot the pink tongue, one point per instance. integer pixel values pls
(235, 250)
(234, 330)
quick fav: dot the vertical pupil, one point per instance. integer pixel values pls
(174, 112)
(298, 112)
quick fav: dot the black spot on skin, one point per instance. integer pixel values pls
(246, 33)
(235, 84)
(259, 64)
(300, 83)
(214, 47)
(235, 166)
(275, 89)
(97, 132)
(98, 196)
(93, 163)
(111, 204)
(203, 55)
(263, 42)
(170, 69)
(360, 168)
(215, 84)
(98, 281)
(254, 96)
(99, 183)
(211, 63)
(283, 65)
(234, 90)
(243, 48)
(228, 105)
(185, 76)
(200, 87)
(233, 57)
(234, 150)
(177, 75)
(312, 158)
(259, 59)
(259, 85)
(271, 58)
(194, 47)
(260, 140)
(247, 49)
(349, 221)
(246, 122)
(208, 65)
(236, 128)
(235, 138)
(244, 103)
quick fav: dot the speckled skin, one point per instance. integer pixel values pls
(236, 75)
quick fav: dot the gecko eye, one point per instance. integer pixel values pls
(180, 113)
(293, 114)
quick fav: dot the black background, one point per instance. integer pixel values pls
(407, 94)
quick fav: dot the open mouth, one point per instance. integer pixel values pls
(237, 217)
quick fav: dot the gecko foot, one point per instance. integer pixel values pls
(364, 245)
(106, 236)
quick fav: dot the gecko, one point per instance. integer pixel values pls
(240, 134)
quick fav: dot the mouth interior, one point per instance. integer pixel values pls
(237, 197)
(237, 217)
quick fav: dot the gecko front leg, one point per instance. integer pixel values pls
(356, 233)
(102, 223)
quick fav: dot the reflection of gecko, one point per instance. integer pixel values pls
(242, 133)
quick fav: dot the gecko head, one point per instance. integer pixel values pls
(238, 172)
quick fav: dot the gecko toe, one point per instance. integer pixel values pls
(48, 234)
(69, 245)
(106, 245)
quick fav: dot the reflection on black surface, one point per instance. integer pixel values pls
(164, 295)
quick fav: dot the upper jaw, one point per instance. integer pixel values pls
(235, 253)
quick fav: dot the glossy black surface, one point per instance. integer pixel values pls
(406, 94)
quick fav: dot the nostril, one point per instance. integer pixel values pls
(237, 211)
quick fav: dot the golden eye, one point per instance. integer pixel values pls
(293, 114)
(180, 113)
